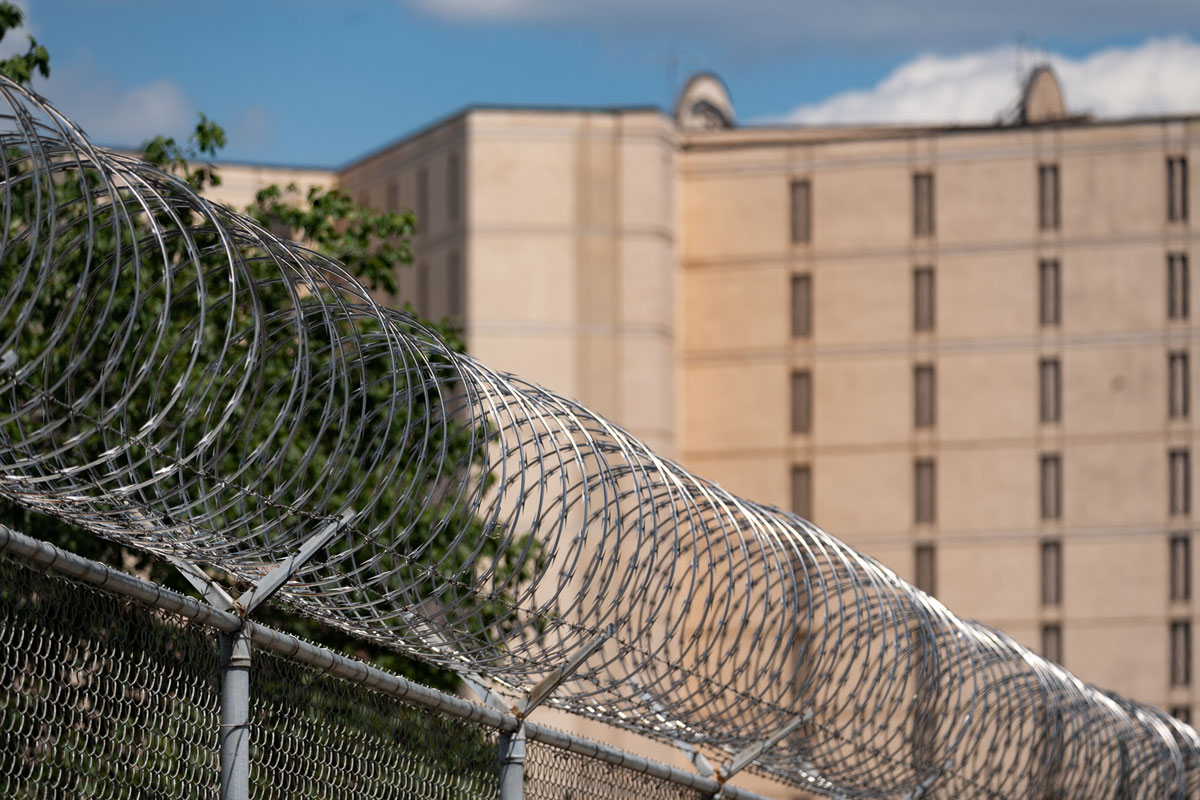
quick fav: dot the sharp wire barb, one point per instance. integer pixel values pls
(177, 379)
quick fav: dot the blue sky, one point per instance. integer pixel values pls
(320, 82)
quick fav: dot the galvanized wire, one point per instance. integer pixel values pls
(99, 697)
(179, 380)
(317, 736)
(413, 730)
(553, 774)
(103, 698)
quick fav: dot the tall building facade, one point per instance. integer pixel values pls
(552, 235)
(964, 350)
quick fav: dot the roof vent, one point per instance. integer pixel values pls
(704, 104)
(1042, 100)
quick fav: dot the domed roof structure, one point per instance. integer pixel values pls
(1042, 100)
(704, 104)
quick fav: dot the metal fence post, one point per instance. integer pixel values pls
(512, 764)
(235, 716)
(235, 651)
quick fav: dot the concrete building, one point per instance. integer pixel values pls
(553, 236)
(241, 182)
(965, 350)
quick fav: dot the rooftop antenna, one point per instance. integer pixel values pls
(1019, 57)
(673, 60)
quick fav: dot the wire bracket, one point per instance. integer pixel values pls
(552, 681)
(755, 751)
(274, 580)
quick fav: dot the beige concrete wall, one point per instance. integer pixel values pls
(646, 272)
(573, 258)
(566, 236)
(418, 175)
(1112, 345)
(240, 183)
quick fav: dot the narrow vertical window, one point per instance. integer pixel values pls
(1181, 653)
(1182, 713)
(924, 396)
(802, 490)
(801, 401)
(1051, 486)
(923, 299)
(1051, 572)
(923, 204)
(924, 491)
(1181, 482)
(1052, 642)
(423, 221)
(393, 197)
(1048, 202)
(1178, 287)
(1177, 189)
(801, 207)
(454, 285)
(1050, 382)
(1177, 388)
(801, 306)
(1181, 566)
(1048, 292)
(453, 189)
(925, 568)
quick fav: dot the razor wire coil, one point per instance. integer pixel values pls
(175, 378)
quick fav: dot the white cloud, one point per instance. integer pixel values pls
(488, 9)
(17, 40)
(1157, 76)
(114, 115)
(127, 116)
(756, 26)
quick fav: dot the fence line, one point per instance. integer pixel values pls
(175, 378)
(26, 550)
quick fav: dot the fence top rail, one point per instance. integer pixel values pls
(176, 378)
(27, 550)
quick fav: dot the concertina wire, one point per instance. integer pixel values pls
(175, 378)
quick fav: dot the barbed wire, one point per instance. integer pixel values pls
(175, 378)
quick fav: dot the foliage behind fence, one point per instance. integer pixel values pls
(175, 378)
(102, 696)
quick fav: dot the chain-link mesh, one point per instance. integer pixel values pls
(554, 774)
(101, 697)
(317, 736)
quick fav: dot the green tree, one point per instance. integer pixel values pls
(21, 67)
(370, 243)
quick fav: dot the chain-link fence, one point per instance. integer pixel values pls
(103, 695)
(315, 735)
(553, 774)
